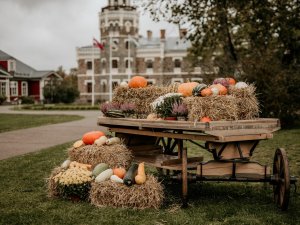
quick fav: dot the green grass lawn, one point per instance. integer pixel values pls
(23, 195)
(9, 122)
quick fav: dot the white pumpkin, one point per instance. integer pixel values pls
(124, 84)
(215, 91)
(241, 85)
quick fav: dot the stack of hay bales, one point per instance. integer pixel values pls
(239, 104)
(108, 193)
(141, 97)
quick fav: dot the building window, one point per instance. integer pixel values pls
(149, 64)
(3, 88)
(89, 65)
(14, 88)
(89, 87)
(114, 64)
(177, 63)
(127, 44)
(24, 88)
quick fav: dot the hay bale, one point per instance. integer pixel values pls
(141, 97)
(216, 107)
(113, 155)
(108, 193)
(51, 184)
(248, 105)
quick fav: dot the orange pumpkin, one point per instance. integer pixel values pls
(206, 92)
(120, 172)
(222, 89)
(231, 81)
(186, 89)
(137, 82)
(205, 119)
(90, 137)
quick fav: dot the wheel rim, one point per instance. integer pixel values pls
(282, 177)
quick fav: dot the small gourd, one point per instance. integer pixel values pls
(230, 80)
(130, 175)
(206, 92)
(140, 178)
(114, 140)
(241, 85)
(99, 169)
(105, 175)
(197, 90)
(124, 84)
(66, 164)
(119, 172)
(101, 141)
(205, 119)
(78, 144)
(116, 179)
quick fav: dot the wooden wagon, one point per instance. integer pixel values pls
(231, 144)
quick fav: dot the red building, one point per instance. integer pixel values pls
(18, 79)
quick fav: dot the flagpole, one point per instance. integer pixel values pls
(110, 69)
(93, 77)
(129, 63)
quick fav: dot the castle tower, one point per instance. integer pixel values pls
(118, 24)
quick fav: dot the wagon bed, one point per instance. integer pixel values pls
(231, 143)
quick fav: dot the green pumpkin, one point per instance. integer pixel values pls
(197, 90)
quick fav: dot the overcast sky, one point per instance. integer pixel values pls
(45, 33)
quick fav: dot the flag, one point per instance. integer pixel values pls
(97, 44)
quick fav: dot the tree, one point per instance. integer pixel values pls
(257, 40)
(64, 91)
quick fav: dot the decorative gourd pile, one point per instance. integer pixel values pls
(104, 179)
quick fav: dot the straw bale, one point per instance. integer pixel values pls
(216, 107)
(248, 105)
(141, 97)
(113, 155)
(52, 185)
(108, 193)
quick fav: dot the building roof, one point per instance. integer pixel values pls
(3, 73)
(171, 43)
(25, 71)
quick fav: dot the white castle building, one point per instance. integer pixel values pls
(126, 53)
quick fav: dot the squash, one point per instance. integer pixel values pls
(186, 89)
(120, 172)
(230, 80)
(130, 175)
(66, 164)
(222, 89)
(101, 141)
(206, 92)
(90, 137)
(140, 178)
(105, 175)
(114, 140)
(99, 169)
(137, 82)
(197, 90)
(78, 144)
(124, 84)
(205, 119)
(116, 179)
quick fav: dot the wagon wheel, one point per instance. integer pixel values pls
(281, 174)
